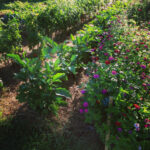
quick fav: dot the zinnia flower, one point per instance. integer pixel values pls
(83, 91)
(136, 106)
(119, 129)
(85, 110)
(85, 104)
(117, 123)
(95, 76)
(143, 66)
(111, 58)
(81, 111)
(107, 62)
(114, 72)
(104, 91)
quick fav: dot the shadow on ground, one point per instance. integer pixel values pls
(27, 130)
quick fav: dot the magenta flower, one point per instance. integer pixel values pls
(138, 63)
(101, 47)
(92, 50)
(85, 110)
(111, 58)
(106, 54)
(114, 72)
(143, 66)
(83, 91)
(104, 91)
(81, 111)
(85, 104)
(119, 129)
(95, 76)
(145, 46)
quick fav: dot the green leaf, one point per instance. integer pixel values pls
(73, 58)
(72, 69)
(63, 92)
(58, 76)
(17, 59)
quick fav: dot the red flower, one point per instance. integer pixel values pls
(117, 51)
(139, 9)
(136, 106)
(124, 114)
(117, 123)
(137, 49)
(142, 43)
(107, 62)
(146, 125)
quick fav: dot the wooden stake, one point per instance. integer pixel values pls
(108, 123)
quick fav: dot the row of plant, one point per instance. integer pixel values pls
(41, 75)
(116, 98)
(27, 22)
(116, 58)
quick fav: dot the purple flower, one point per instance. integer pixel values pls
(130, 132)
(125, 94)
(104, 91)
(119, 129)
(81, 111)
(92, 50)
(148, 33)
(143, 66)
(138, 63)
(139, 148)
(85, 110)
(83, 91)
(111, 58)
(131, 87)
(114, 72)
(101, 47)
(137, 125)
(95, 76)
(106, 54)
(85, 104)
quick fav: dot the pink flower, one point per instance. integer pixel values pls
(85, 104)
(114, 72)
(145, 46)
(146, 125)
(106, 54)
(101, 47)
(81, 111)
(111, 58)
(85, 110)
(143, 66)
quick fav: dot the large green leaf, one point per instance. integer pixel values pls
(17, 59)
(63, 92)
(58, 76)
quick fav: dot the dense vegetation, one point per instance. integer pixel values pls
(113, 50)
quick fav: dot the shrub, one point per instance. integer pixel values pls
(41, 87)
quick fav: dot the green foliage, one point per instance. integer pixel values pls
(10, 37)
(140, 12)
(41, 87)
(115, 72)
